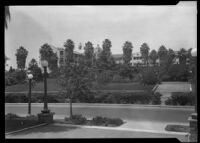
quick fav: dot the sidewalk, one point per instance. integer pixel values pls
(70, 131)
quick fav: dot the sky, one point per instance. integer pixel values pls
(174, 27)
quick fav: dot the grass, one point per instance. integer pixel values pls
(177, 128)
(19, 123)
(53, 86)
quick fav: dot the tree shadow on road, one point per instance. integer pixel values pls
(51, 128)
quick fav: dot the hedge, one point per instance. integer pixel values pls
(181, 98)
(94, 97)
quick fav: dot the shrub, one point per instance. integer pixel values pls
(77, 119)
(149, 77)
(98, 120)
(10, 116)
(31, 117)
(180, 98)
(156, 98)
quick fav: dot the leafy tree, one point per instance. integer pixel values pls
(21, 56)
(36, 71)
(89, 53)
(46, 53)
(162, 54)
(75, 81)
(153, 56)
(69, 49)
(127, 52)
(74, 78)
(7, 16)
(144, 50)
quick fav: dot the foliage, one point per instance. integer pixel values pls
(77, 119)
(127, 52)
(162, 54)
(105, 60)
(104, 77)
(89, 53)
(156, 100)
(182, 55)
(21, 55)
(149, 77)
(177, 72)
(74, 77)
(10, 116)
(126, 71)
(98, 120)
(153, 57)
(35, 70)
(69, 49)
(181, 98)
(46, 53)
(144, 50)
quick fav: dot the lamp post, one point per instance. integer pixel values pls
(30, 76)
(44, 64)
(193, 118)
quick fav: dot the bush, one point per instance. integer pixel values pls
(149, 77)
(77, 119)
(106, 121)
(10, 116)
(156, 99)
(180, 98)
(123, 97)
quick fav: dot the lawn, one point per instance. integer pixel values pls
(14, 122)
(53, 86)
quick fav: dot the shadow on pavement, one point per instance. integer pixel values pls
(51, 128)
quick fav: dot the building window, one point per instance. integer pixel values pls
(61, 60)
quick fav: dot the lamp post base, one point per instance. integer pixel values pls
(45, 117)
(193, 127)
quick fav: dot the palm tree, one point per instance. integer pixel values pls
(7, 16)
(144, 50)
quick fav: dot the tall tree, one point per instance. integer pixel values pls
(69, 50)
(46, 53)
(182, 55)
(162, 54)
(153, 57)
(7, 16)
(127, 52)
(21, 56)
(73, 78)
(144, 50)
(35, 69)
(89, 53)
(105, 58)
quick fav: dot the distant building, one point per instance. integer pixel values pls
(97, 51)
(62, 56)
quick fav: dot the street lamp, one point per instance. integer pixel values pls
(30, 76)
(44, 64)
(193, 118)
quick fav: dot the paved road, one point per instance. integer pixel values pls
(65, 131)
(125, 112)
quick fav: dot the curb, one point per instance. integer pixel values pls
(25, 129)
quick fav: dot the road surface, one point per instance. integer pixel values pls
(125, 112)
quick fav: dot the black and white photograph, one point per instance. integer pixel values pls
(101, 71)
